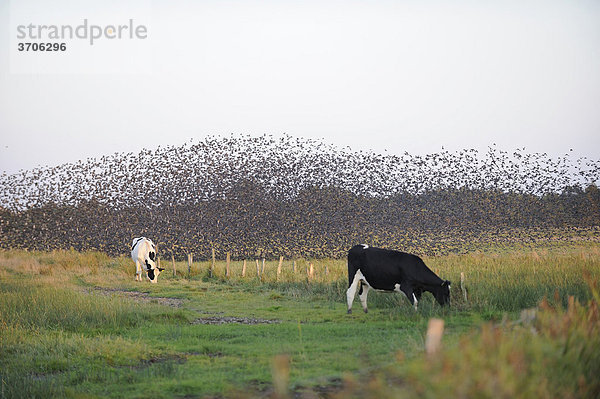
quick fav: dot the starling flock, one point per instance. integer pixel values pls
(266, 196)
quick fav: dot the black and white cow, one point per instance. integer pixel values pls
(386, 270)
(143, 253)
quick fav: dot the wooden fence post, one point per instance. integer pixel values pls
(244, 269)
(262, 270)
(281, 375)
(279, 266)
(311, 271)
(190, 261)
(157, 256)
(257, 269)
(212, 266)
(228, 259)
(433, 340)
(462, 285)
(294, 267)
(173, 263)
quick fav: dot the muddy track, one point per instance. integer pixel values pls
(232, 320)
(137, 296)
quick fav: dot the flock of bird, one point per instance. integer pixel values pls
(266, 196)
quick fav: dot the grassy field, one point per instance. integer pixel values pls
(78, 325)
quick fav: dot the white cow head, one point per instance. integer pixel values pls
(152, 270)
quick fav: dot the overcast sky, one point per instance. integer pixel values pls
(383, 75)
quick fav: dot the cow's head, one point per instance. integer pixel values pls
(151, 269)
(153, 274)
(442, 293)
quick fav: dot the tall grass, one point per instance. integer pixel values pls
(60, 267)
(32, 306)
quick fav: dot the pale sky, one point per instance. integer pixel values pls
(378, 75)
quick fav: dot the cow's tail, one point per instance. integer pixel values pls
(356, 257)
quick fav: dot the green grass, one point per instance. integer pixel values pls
(68, 328)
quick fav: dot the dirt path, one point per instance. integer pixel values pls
(210, 318)
(232, 320)
(137, 296)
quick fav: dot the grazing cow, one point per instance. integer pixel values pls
(390, 271)
(143, 253)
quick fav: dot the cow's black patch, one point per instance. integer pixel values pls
(150, 274)
(136, 242)
(151, 255)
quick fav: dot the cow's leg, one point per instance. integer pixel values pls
(351, 292)
(138, 271)
(410, 294)
(362, 294)
(417, 296)
(418, 292)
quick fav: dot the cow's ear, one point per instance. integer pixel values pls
(160, 269)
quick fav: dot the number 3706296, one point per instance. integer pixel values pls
(42, 46)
